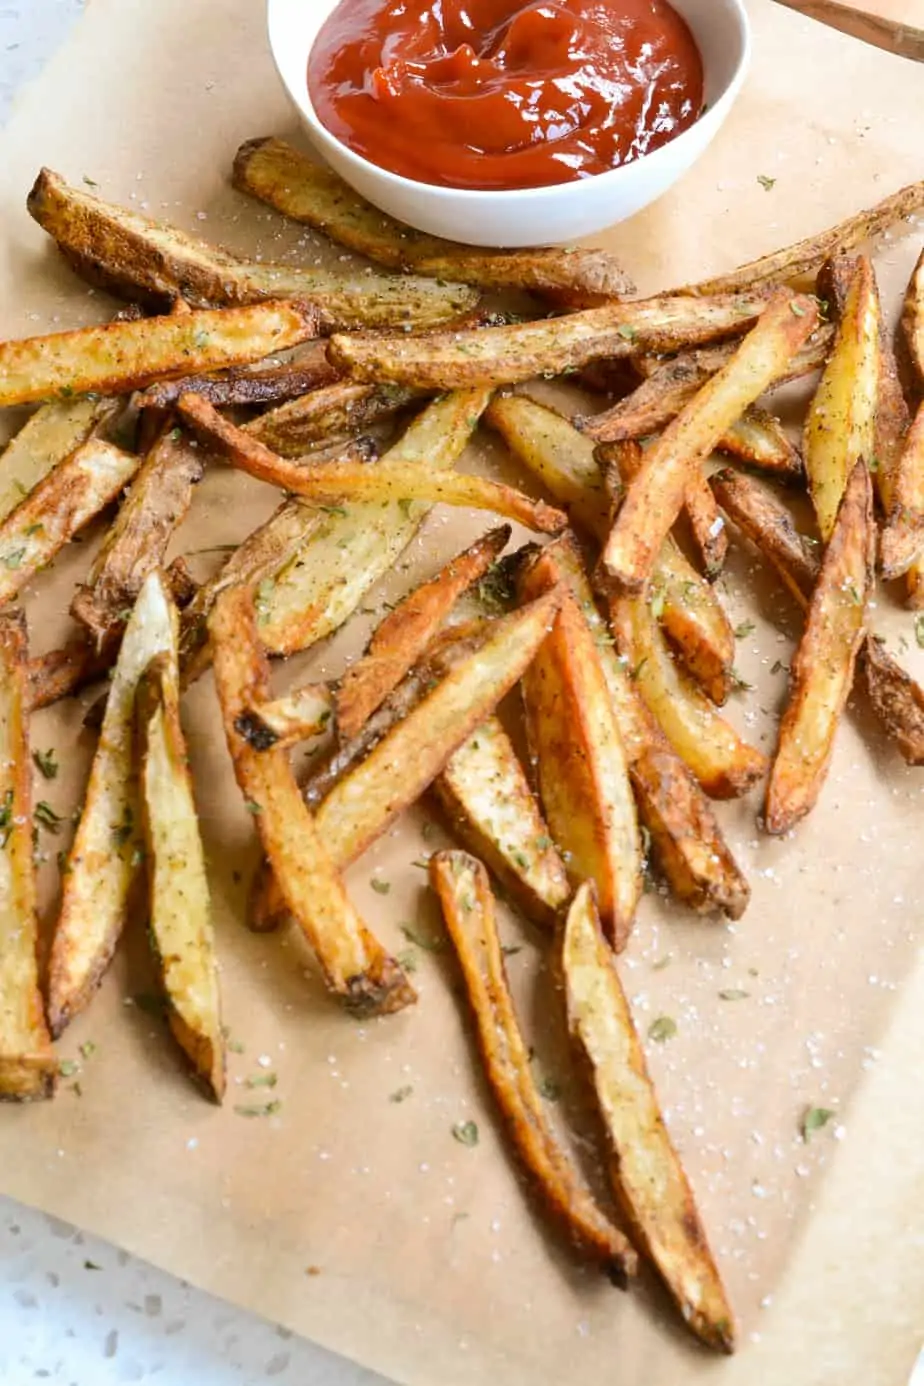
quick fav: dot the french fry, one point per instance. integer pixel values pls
(143, 259)
(103, 862)
(292, 718)
(653, 499)
(63, 671)
(121, 356)
(902, 538)
(27, 1062)
(314, 592)
(281, 176)
(896, 698)
(179, 912)
(769, 525)
(274, 383)
(53, 432)
(806, 257)
(706, 525)
(506, 355)
(327, 415)
(580, 759)
(335, 482)
(485, 794)
(68, 498)
(461, 885)
(407, 630)
(565, 462)
(684, 832)
(356, 967)
(823, 665)
(724, 765)
(136, 542)
(759, 440)
(913, 319)
(648, 1179)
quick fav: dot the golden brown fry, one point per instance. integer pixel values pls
(760, 440)
(27, 1062)
(897, 699)
(275, 383)
(53, 432)
(580, 760)
(407, 630)
(648, 1178)
(724, 765)
(142, 259)
(61, 672)
(807, 256)
(102, 865)
(69, 497)
(121, 356)
(328, 416)
(913, 319)
(486, 796)
(823, 665)
(356, 968)
(179, 916)
(281, 176)
(902, 538)
(653, 500)
(287, 720)
(505, 355)
(461, 883)
(329, 484)
(768, 524)
(136, 541)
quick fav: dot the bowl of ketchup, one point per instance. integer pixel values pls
(511, 122)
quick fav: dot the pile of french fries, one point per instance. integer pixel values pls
(355, 396)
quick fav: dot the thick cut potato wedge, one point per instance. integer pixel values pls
(179, 908)
(69, 497)
(505, 355)
(913, 319)
(122, 356)
(806, 257)
(565, 462)
(142, 259)
(294, 717)
(840, 427)
(315, 591)
(763, 519)
(684, 832)
(137, 539)
(654, 498)
(897, 699)
(823, 665)
(275, 382)
(356, 967)
(648, 1179)
(104, 860)
(63, 671)
(406, 631)
(760, 440)
(580, 759)
(724, 765)
(330, 484)
(326, 416)
(461, 883)
(902, 539)
(53, 432)
(486, 797)
(281, 176)
(27, 1062)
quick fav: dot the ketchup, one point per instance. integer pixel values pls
(501, 94)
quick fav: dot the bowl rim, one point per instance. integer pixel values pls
(279, 14)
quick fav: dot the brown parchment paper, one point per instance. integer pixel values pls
(359, 1221)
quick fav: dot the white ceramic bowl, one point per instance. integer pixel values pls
(526, 216)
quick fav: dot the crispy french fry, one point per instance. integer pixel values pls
(143, 259)
(769, 525)
(136, 542)
(653, 499)
(407, 630)
(27, 1062)
(649, 1181)
(121, 356)
(179, 906)
(684, 832)
(273, 383)
(335, 482)
(63, 671)
(806, 257)
(461, 884)
(356, 967)
(706, 525)
(823, 665)
(287, 720)
(53, 432)
(103, 862)
(281, 176)
(760, 440)
(487, 799)
(68, 498)
(328, 415)
(580, 759)
(565, 462)
(505, 355)
(896, 698)
(724, 765)
(902, 538)
(913, 319)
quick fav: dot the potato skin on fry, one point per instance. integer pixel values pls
(823, 665)
(461, 884)
(50, 435)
